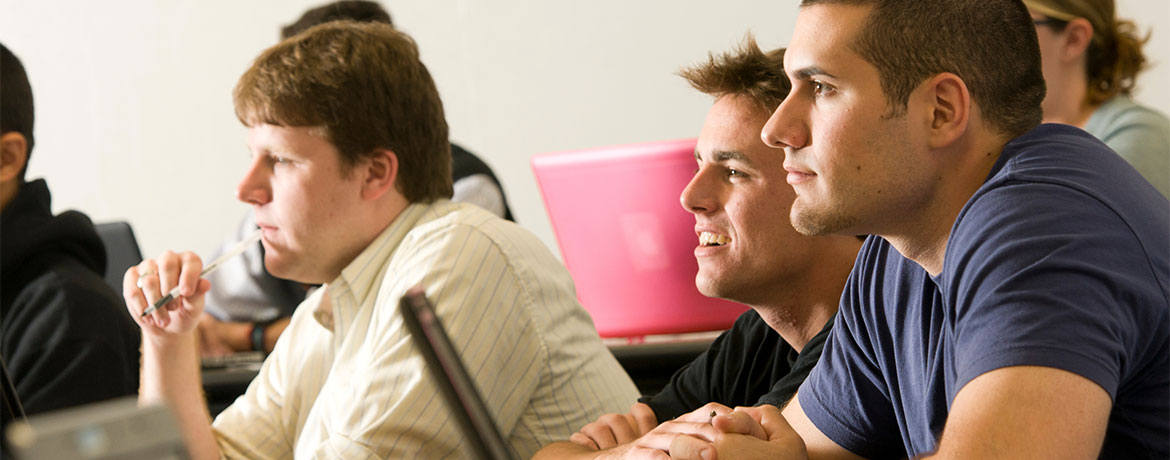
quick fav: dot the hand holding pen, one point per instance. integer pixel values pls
(154, 284)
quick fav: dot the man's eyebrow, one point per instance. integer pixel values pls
(729, 155)
(811, 71)
(720, 156)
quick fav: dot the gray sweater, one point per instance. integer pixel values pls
(1139, 134)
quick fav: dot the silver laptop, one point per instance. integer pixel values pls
(114, 429)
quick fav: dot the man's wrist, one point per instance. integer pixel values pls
(256, 336)
(165, 342)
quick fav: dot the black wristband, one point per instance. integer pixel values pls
(258, 336)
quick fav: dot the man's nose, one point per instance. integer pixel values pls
(786, 128)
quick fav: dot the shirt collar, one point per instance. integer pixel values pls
(348, 292)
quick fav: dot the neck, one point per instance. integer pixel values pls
(1067, 99)
(365, 230)
(8, 191)
(802, 309)
(922, 237)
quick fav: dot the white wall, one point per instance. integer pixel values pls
(133, 98)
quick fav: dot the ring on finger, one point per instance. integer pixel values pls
(143, 277)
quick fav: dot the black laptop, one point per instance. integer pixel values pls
(482, 434)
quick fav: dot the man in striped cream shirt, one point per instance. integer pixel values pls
(349, 183)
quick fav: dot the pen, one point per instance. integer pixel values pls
(240, 247)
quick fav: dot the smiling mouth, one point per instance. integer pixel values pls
(713, 239)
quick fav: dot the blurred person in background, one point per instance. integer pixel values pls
(1091, 59)
(64, 333)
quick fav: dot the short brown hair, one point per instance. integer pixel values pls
(354, 10)
(746, 71)
(364, 83)
(1114, 56)
(990, 44)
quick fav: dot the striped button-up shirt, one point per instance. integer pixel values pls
(345, 380)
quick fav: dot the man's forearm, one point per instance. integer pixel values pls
(170, 375)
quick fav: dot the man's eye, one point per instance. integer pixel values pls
(734, 173)
(820, 88)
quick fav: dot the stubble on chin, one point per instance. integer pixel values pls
(706, 284)
(821, 220)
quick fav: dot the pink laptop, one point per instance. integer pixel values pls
(627, 241)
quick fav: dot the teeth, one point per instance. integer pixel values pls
(712, 239)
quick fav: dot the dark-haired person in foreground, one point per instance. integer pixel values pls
(64, 333)
(247, 308)
(1015, 299)
(349, 181)
(747, 252)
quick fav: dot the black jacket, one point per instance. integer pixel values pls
(65, 335)
(464, 164)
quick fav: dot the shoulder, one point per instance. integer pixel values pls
(1065, 232)
(71, 298)
(71, 280)
(464, 227)
(461, 246)
(445, 217)
(1037, 229)
(1058, 178)
(1121, 113)
(465, 163)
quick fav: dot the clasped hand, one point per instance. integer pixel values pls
(708, 433)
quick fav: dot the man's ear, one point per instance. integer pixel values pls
(1075, 40)
(381, 174)
(950, 108)
(13, 155)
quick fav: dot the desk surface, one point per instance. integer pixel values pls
(650, 364)
(223, 385)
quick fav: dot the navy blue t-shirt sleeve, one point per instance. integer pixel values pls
(845, 395)
(1043, 275)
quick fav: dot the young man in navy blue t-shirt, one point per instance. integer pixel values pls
(1014, 300)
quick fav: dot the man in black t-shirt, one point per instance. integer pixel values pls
(747, 252)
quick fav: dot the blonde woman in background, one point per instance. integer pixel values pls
(1090, 60)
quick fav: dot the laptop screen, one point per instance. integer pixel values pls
(459, 390)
